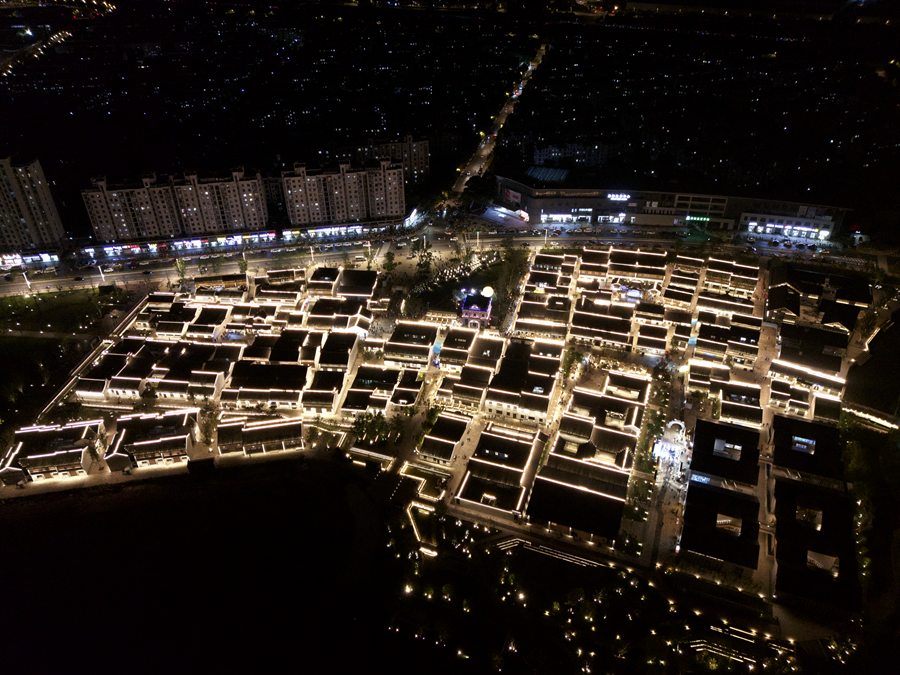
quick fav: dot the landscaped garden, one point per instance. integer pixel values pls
(75, 311)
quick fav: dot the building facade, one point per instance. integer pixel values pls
(190, 205)
(216, 205)
(562, 204)
(413, 155)
(347, 195)
(28, 215)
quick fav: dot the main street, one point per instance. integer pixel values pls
(162, 274)
(482, 155)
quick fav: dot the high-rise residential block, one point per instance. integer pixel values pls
(215, 205)
(190, 205)
(28, 215)
(120, 213)
(413, 155)
(345, 195)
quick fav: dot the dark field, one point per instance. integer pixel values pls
(271, 567)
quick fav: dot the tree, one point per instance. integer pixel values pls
(311, 435)
(97, 446)
(867, 323)
(480, 191)
(569, 359)
(242, 266)
(370, 254)
(181, 267)
(413, 308)
(431, 416)
(389, 264)
(216, 265)
(148, 396)
(396, 427)
(458, 252)
(376, 427)
(422, 249)
(359, 425)
(468, 254)
(208, 422)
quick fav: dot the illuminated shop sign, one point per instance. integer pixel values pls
(618, 197)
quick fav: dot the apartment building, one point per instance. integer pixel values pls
(413, 155)
(28, 215)
(221, 205)
(120, 213)
(189, 205)
(313, 196)
(345, 195)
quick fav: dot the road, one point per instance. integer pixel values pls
(163, 273)
(483, 153)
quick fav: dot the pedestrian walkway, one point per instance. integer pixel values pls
(48, 334)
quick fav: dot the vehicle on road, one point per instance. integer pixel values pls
(108, 270)
(79, 279)
(8, 277)
(147, 272)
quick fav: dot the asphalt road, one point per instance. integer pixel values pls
(163, 273)
(482, 156)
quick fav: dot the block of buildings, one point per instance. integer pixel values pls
(28, 215)
(411, 344)
(344, 194)
(152, 439)
(185, 206)
(495, 476)
(444, 439)
(51, 451)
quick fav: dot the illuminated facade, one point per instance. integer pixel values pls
(28, 216)
(191, 205)
(548, 199)
(314, 196)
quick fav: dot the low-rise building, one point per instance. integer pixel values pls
(410, 345)
(495, 477)
(152, 439)
(50, 451)
(444, 439)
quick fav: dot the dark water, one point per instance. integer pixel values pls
(273, 566)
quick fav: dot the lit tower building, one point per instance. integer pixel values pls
(122, 213)
(28, 215)
(191, 205)
(387, 196)
(221, 205)
(345, 195)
